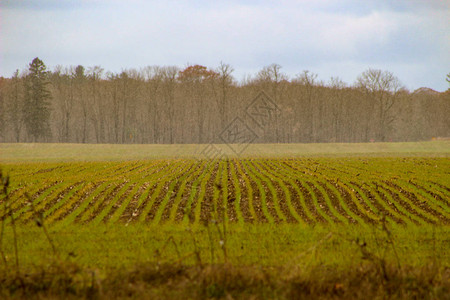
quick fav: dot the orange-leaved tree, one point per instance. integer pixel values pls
(196, 73)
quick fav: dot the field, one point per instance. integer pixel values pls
(279, 221)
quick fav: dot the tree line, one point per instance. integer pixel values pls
(167, 104)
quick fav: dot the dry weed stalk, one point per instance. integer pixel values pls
(196, 248)
(3, 190)
(382, 244)
(169, 240)
(221, 231)
(8, 212)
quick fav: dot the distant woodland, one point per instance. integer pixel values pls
(195, 104)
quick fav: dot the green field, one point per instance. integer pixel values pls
(278, 221)
(117, 152)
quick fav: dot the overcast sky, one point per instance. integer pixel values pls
(329, 37)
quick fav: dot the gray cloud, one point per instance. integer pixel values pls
(330, 37)
(39, 5)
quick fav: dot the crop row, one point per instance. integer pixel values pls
(306, 191)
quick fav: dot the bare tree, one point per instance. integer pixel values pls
(337, 85)
(77, 85)
(62, 80)
(153, 79)
(129, 90)
(272, 76)
(383, 88)
(225, 81)
(163, 105)
(92, 98)
(308, 81)
(169, 75)
(14, 105)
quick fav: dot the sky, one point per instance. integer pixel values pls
(332, 38)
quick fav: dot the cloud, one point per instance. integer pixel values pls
(345, 35)
(42, 5)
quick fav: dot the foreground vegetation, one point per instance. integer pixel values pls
(264, 261)
(337, 226)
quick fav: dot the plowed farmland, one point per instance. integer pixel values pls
(192, 192)
(306, 224)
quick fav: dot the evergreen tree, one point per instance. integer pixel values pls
(37, 101)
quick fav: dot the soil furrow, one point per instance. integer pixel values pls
(281, 195)
(118, 203)
(320, 197)
(245, 195)
(77, 203)
(207, 203)
(407, 206)
(129, 214)
(309, 202)
(349, 201)
(231, 196)
(105, 201)
(418, 203)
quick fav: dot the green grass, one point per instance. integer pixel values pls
(263, 261)
(146, 221)
(115, 246)
(114, 152)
